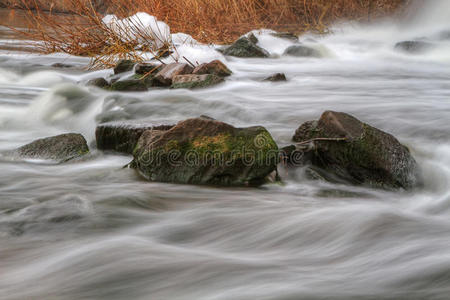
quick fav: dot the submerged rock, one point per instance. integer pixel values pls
(276, 77)
(123, 66)
(62, 66)
(192, 81)
(122, 136)
(357, 152)
(168, 72)
(205, 151)
(246, 47)
(414, 47)
(216, 67)
(62, 148)
(302, 51)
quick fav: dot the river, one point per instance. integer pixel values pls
(93, 230)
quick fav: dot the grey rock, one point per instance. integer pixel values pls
(122, 136)
(302, 51)
(192, 81)
(61, 148)
(246, 47)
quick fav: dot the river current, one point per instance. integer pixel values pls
(93, 230)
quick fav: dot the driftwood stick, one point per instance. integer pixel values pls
(189, 62)
(321, 139)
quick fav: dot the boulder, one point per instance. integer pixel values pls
(246, 47)
(302, 51)
(98, 82)
(276, 77)
(129, 85)
(61, 148)
(146, 68)
(415, 47)
(124, 65)
(209, 152)
(215, 67)
(357, 152)
(168, 72)
(192, 81)
(122, 136)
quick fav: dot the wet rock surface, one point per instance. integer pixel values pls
(168, 72)
(123, 66)
(357, 152)
(209, 152)
(60, 148)
(192, 81)
(122, 136)
(246, 47)
(216, 67)
(414, 47)
(302, 51)
(276, 77)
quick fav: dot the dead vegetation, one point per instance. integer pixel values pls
(209, 21)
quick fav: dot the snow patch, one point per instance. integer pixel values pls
(131, 27)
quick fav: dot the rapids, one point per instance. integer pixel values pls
(93, 230)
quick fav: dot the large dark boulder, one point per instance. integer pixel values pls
(302, 51)
(357, 152)
(122, 136)
(414, 47)
(246, 47)
(206, 151)
(61, 148)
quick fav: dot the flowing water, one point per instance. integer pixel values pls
(93, 230)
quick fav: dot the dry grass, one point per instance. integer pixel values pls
(222, 21)
(210, 21)
(85, 34)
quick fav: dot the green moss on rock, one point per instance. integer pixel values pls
(203, 151)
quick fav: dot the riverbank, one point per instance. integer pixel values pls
(222, 22)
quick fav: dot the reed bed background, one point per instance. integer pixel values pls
(208, 21)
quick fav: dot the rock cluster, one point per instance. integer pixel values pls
(174, 75)
(337, 147)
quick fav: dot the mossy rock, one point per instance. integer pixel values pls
(129, 85)
(124, 65)
(246, 47)
(358, 152)
(192, 81)
(98, 82)
(209, 152)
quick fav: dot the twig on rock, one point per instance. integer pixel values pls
(321, 139)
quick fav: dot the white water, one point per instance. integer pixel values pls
(92, 230)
